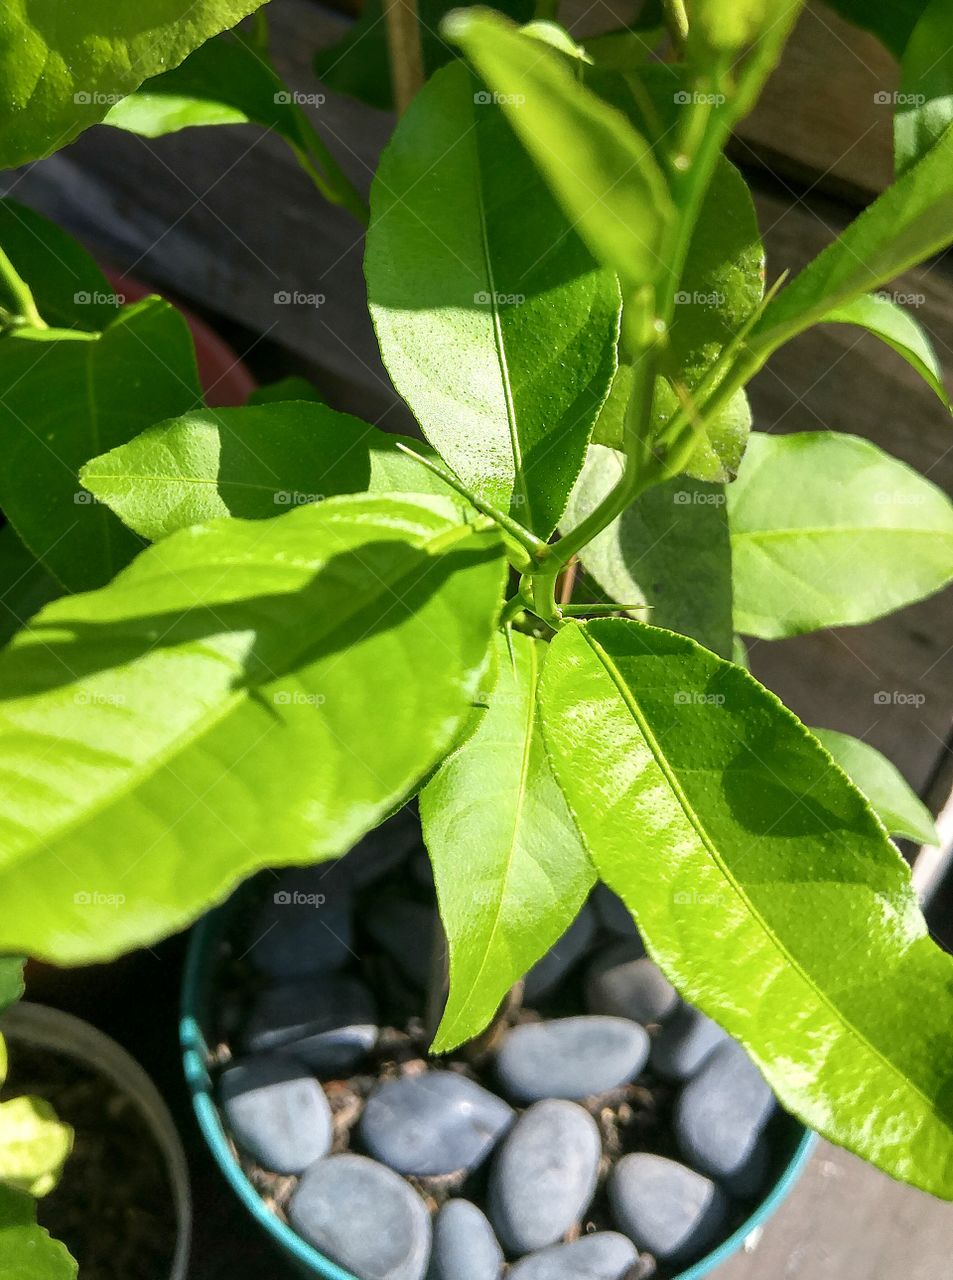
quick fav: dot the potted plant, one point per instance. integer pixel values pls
(569, 290)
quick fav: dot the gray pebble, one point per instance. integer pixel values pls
(624, 983)
(562, 957)
(380, 852)
(330, 1022)
(664, 1208)
(277, 1112)
(433, 1124)
(570, 1057)
(614, 916)
(302, 927)
(464, 1245)
(364, 1217)
(405, 931)
(606, 1255)
(721, 1113)
(684, 1043)
(544, 1175)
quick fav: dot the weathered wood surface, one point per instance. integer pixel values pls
(226, 222)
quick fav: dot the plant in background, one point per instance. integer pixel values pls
(568, 286)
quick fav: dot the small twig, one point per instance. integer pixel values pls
(406, 54)
(567, 582)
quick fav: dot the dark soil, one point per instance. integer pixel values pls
(113, 1206)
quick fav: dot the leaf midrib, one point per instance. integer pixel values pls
(668, 774)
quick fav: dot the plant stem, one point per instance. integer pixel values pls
(260, 33)
(406, 54)
(677, 21)
(18, 291)
(333, 182)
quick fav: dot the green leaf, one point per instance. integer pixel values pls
(722, 445)
(495, 323)
(764, 886)
(881, 316)
(26, 1250)
(891, 797)
(252, 462)
(33, 1145)
(11, 985)
(670, 549)
(70, 290)
(827, 531)
(127, 812)
(63, 66)
(600, 169)
(226, 81)
(291, 388)
(909, 222)
(68, 396)
(26, 588)
(892, 23)
(359, 64)
(724, 26)
(510, 870)
(925, 104)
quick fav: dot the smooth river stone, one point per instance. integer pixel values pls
(328, 1022)
(433, 1124)
(405, 931)
(603, 1256)
(561, 958)
(721, 1113)
(664, 1208)
(277, 1112)
(464, 1245)
(544, 1175)
(570, 1057)
(685, 1043)
(625, 983)
(364, 1217)
(302, 927)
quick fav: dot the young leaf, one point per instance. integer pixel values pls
(252, 462)
(909, 222)
(670, 549)
(68, 396)
(69, 289)
(61, 68)
(600, 169)
(827, 530)
(925, 105)
(881, 316)
(125, 812)
(495, 323)
(763, 884)
(11, 984)
(510, 870)
(33, 1145)
(891, 797)
(26, 1250)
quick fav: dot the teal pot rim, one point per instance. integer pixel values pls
(196, 991)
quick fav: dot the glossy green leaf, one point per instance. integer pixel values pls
(510, 870)
(67, 397)
(25, 586)
(33, 1145)
(600, 168)
(63, 66)
(925, 104)
(11, 984)
(225, 81)
(69, 289)
(503, 349)
(881, 316)
(827, 530)
(722, 445)
(126, 812)
(252, 462)
(670, 549)
(891, 797)
(26, 1250)
(763, 885)
(291, 388)
(909, 222)
(891, 22)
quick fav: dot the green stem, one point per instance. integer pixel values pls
(18, 291)
(333, 183)
(260, 33)
(676, 19)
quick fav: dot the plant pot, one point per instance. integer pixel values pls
(50, 1031)
(207, 974)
